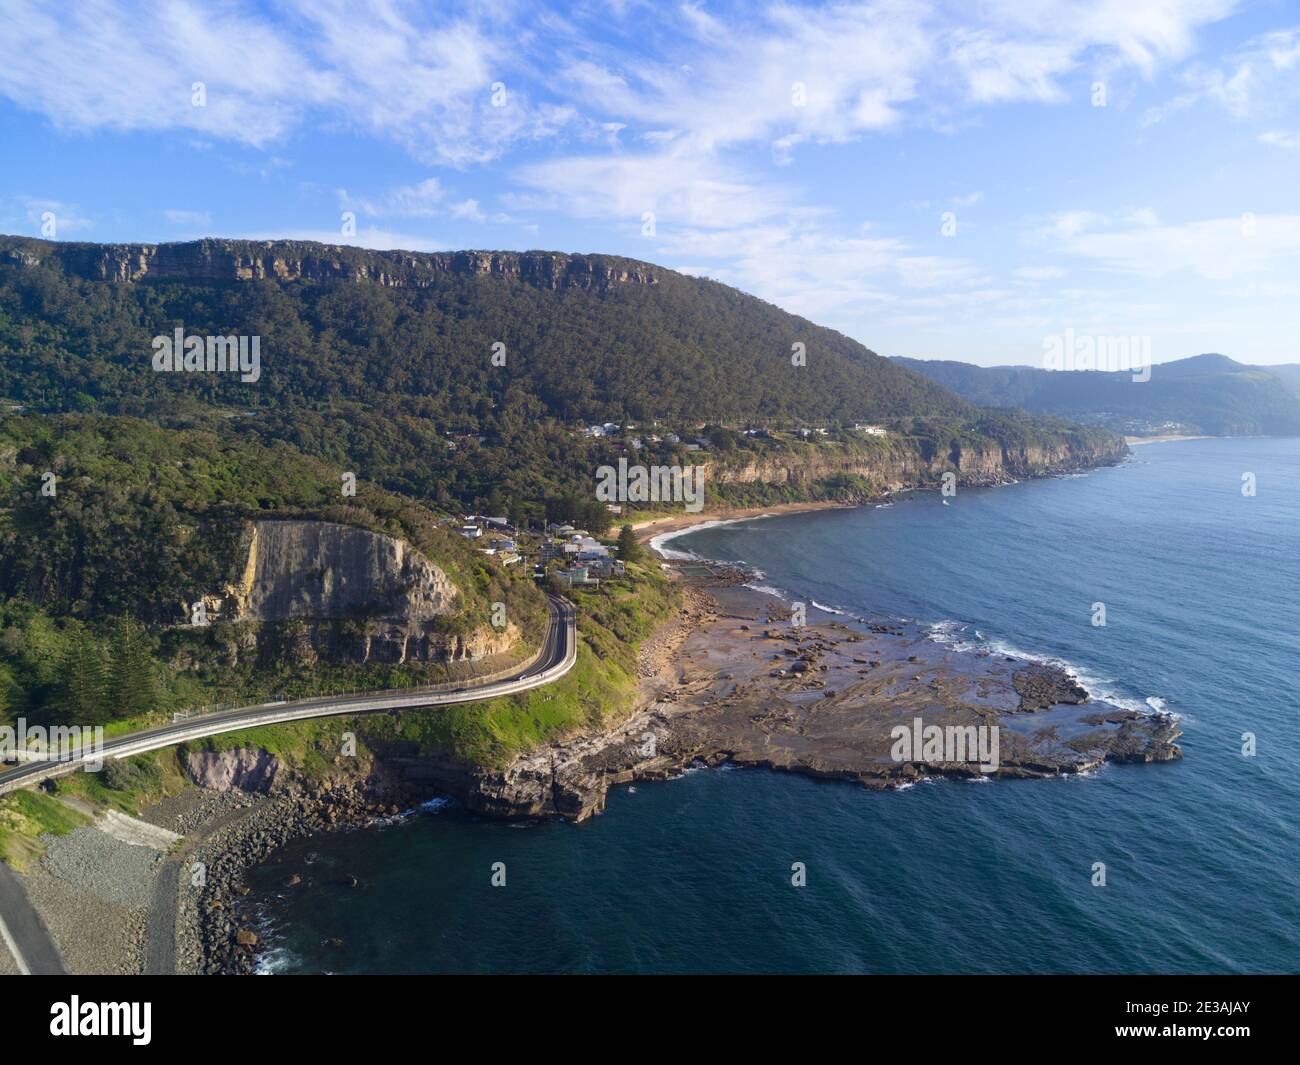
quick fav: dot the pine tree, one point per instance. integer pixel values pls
(132, 686)
(628, 549)
(81, 696)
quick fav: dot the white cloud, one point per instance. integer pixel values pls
(1259, 80)
(104, 64)
(1218, 249)
(680, 187)
(390, 70)
(1288, 139)
(421, 200)
(188, 219)
(468, 210)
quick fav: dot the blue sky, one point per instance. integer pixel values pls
(938, 179)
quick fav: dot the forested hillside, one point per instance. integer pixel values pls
(659, 345)
(462, 381)
(384, 362)
(100, 561)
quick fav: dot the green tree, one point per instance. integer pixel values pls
(628, 549)
(132, 687)
(81, 695)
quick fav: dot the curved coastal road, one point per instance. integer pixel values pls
(25, 935)
(559, 651)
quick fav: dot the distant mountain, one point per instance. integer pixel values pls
(1210, 394)
(1288, 373)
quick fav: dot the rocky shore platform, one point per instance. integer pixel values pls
(732, 679)
(743, 684)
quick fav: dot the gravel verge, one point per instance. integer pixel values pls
(100, 865)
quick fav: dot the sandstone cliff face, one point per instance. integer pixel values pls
(245, 260)
(322, 573)
(313, 569)
(903, 466)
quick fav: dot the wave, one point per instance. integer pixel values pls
(767, 589)
(656, 543)
(955, 634)
(276, 960)
(960, 637)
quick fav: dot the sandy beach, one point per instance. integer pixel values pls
(649, 528)
(1134, 441)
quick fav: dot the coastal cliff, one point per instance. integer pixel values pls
(903, 464)
(352, 594)
(219, 260)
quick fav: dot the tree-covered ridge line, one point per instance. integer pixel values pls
(683, 348)
(227, 259)
(469, 393)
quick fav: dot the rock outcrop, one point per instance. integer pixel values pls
(324, 589)
(903, 465)
(247, 769)
(319, 570)
(217, 260)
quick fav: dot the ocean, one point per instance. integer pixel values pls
(1201, 856)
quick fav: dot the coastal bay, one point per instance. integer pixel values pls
(694, 874)
(709, 699)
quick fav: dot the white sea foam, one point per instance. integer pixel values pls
(657, 542)
(767, 589)
(962, 638)
(275, 960)
(830, 609)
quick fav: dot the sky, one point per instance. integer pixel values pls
(959, 179)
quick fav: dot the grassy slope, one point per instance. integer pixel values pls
(26, 816)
